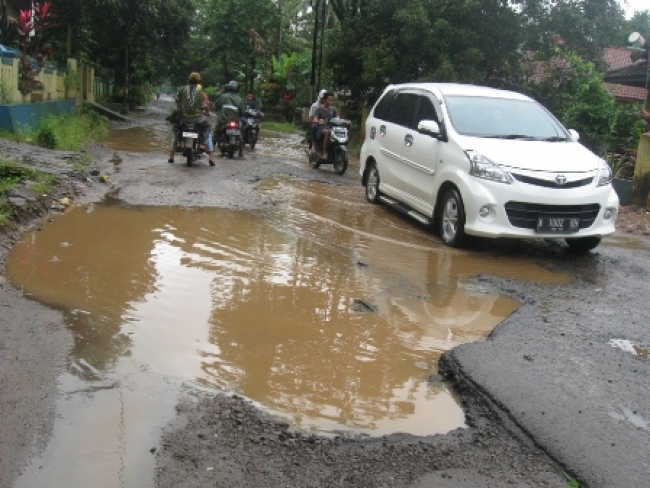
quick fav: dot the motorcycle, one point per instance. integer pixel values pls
(337, 149)
(230, 140)
(190, 141)
(250, 127)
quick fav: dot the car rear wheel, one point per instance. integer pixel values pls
(582, 244)
(372, 184)
(452, 219)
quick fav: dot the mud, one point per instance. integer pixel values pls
(227, 441)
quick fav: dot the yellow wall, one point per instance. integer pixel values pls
(53, 83)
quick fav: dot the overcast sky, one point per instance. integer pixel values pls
(633, 5)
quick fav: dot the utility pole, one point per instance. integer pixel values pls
(312, 83)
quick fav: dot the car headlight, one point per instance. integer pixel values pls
(605, 174)
(483, 167)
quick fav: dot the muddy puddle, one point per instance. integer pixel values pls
(324, 310)
(157, 139)
(151, 138)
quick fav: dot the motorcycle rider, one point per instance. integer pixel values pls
(192, 104)
(313, 121)
(324, 114)
(229, 106)
(250, 104)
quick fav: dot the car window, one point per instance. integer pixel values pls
(501, 117)
(426, 111)
(381, 109)
(402, 110)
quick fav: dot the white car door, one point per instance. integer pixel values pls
(396, 172)
(425, 159)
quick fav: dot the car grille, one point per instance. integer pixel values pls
(553, 183)
(524, 215)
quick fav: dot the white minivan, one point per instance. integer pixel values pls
(472, 160)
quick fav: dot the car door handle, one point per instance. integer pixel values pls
(382, 130)
(408, 140)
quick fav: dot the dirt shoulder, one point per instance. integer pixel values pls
(224, 440)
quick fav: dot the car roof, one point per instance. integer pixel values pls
(446, 89)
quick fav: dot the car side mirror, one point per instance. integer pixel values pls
(429, 127)
(575, 137)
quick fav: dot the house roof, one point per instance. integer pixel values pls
(626, 79)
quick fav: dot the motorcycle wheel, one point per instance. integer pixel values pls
(188, 155)
(252, 139)
(340, 162)
(314, 162)
(231, 151)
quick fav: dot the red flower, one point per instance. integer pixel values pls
(25, 24)
(42, 9)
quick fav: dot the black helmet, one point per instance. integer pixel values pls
(232, 86)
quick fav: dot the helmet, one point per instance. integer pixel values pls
(194, 78)
(232, 86)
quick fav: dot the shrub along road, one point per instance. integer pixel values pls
(547, 397)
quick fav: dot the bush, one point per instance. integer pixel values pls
(45, 136)
(70, 131)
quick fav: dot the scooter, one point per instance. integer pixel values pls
(337, 149)
(250, 127)
(230, 140)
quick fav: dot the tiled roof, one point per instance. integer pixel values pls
(618, 58)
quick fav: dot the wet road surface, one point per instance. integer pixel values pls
(360, 302)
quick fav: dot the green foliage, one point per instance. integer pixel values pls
(573, 90)
(582, 26)
(11, 175)
(70, 131)
(465, 41)
(284, 127)
(43, 185)
(5, 93)
(240, 32)
(72, 80)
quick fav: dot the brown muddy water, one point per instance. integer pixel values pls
(150, 138)
(324, 310)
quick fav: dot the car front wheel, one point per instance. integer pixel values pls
(452, 219)
(582, 244)
(372, 184)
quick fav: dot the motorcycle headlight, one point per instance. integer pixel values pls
(484, 167)
(604, 174)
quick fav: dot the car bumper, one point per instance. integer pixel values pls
(498, 197)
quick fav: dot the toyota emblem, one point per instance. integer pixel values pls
(560, 180)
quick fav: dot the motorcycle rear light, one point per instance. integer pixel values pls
(232, 125)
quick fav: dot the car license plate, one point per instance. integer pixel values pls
(192, 135)
(232, 132)
(560, 225)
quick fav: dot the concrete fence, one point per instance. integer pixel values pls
(64, 88)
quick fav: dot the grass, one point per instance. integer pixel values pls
(12, 175)
(67, 132)
(284, 127)
(44, 184)
(71, 132)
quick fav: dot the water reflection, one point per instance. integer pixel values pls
(262, 304)
(150, 138)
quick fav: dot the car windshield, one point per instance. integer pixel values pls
(503, 118)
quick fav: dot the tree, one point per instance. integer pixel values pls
(229, 40)
(585, 27)
(390, 41)
(573, 90)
